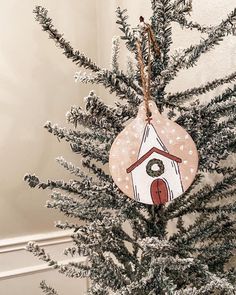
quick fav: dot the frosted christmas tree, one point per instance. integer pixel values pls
(127, 243)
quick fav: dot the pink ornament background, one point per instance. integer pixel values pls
(125, 148)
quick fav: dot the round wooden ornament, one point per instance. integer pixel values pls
(153, 160)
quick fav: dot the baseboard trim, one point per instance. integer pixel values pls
(44, 239)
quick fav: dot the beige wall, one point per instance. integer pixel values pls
(36, 85)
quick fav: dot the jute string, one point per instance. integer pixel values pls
(146, 78)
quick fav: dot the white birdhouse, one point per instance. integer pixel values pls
(156, 177)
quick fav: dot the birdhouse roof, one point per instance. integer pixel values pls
(151, 151)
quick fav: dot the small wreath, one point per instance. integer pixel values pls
(155, 173)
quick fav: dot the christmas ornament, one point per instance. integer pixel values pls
(153, 160)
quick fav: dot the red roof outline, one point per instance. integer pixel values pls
(145, 156)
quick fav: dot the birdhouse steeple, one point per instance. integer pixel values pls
(150, 139)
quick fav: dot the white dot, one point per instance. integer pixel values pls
(186, 177)
(117, 142)
(133, 152)
(162, 131)
(181, 148)
(127, 141)
(170, 141)
(122, 163)
(185, 162)
(119, 179)
(134, 126)
(173, 130)
(126, 178)
(150, 104)
(113, 167)
(190, 152)
(127, 186)
(156, 111)
(191, 170)
(158, 121)
(186, 136)
(178, 138)
(123, 150)
(168, 123)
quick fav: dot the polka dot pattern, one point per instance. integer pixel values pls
(125, 148)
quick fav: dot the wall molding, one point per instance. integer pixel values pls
(16, 244)
(44, 239)
(30, 270)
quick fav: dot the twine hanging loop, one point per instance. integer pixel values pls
(146, 78)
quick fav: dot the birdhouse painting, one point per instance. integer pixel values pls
(153, 160)
(155, 175)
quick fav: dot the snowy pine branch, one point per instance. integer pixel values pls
(121, 85)
(189, 56)
(41, 16)
(115, 54)
(130, 68)
(81, 142)
(181, 97)
(77, 171)
(105, 77)
(72, 269)
(47, 289)
(183, 8)
(85, 78)
(117, 82)
(126, 30)
(227, 95)
(96, 170)
(74, 136)
(161, 22)
(204, 196)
